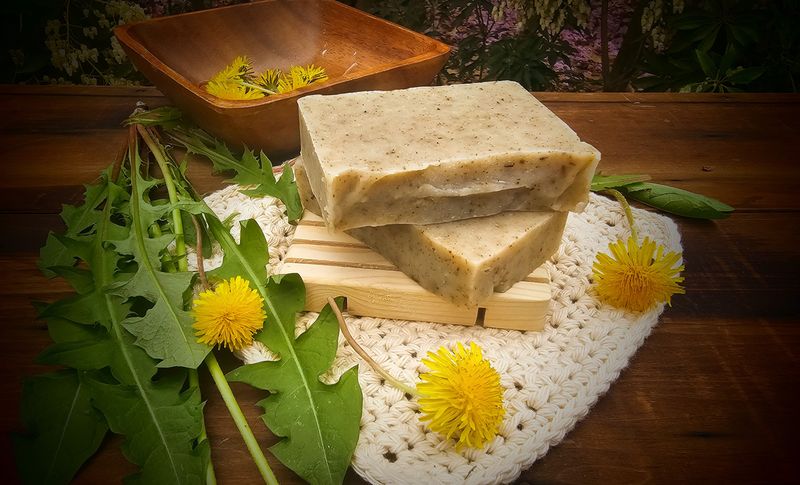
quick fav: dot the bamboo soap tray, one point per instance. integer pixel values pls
(335, 264)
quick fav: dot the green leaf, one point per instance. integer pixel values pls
(80, 279)
(745, 75)
(85, 309)
(249, 169)
(706, 63)
(709, 39)
(165, 331)
(160, 423)
(247, 259)
(78, 220)
(318, 423)
(677, 201)
(92, 353)
(165, 116)
(603, 182)
(63, 429)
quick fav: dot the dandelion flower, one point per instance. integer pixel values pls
(461, 396)
(229, 315)
(637, 277)
(238, 70)
(232, 90)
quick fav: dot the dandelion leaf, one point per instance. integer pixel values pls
(165, 331)
(160, 421)
(247, 259)
(249, 170)
(677, 201)
(160, 424)
(78, 220)
(318, 423)
(63, 428)
(605, 182)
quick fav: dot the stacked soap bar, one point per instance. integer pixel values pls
(436, 154)
(465, 188)
(463, 261)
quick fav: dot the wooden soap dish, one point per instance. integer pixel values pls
(336, 264)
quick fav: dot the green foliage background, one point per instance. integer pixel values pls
(669, 45)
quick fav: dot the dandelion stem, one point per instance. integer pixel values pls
(158, 153)
(201, 272)
(211, 477)
(627, 208)
(238, 418)
(364, 355)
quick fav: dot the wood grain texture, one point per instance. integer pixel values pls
(710, 396)
(358, 51)
(336, 264)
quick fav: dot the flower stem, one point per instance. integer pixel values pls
(364, 355)
(627, 208)
(239, 419)
(211, 477)
(201, 272)
(158, 153)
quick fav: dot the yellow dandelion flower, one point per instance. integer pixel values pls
(461, 396)
(238, 70)
(299, 76)
(270, 79)
(229, 315)
(232, 90)
(637, 277)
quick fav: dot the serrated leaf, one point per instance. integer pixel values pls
(61, 330)
(249, 169)
(318, 423)
(141, 408)
(247, 259)
(604, 182)
(78, 220)
(677, 201)
(165, 331)
(85, 309)
(64, 429)
(79, 279)
(159, 423)
(91, 353)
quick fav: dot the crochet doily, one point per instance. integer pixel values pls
(551, 378)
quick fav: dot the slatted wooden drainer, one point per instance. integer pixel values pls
(335, 264)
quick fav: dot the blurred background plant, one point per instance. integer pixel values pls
(564, 45)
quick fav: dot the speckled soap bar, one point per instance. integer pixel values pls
(436, 154)
(464, 261)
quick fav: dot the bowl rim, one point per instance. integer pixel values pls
(128, 40)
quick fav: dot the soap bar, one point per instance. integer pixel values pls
(436, 154)
(464, 261)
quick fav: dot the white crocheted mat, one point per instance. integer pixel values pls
(551, 378)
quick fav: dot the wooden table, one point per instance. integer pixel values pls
(708, 398)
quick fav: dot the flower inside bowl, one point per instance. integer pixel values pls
(180, 54)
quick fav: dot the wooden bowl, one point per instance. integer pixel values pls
(360, 52)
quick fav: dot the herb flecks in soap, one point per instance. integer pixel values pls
(238, 81)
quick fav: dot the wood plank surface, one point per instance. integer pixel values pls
(710, 396)
(335, 264)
